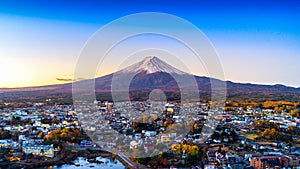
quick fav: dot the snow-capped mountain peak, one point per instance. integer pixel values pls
(151, 64)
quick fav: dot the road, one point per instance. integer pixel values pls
(131, 164)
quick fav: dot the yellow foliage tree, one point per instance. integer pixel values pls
(295, 113)
(189, 149)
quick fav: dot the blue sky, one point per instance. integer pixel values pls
(257, 42)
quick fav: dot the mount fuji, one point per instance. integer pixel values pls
(148, 74)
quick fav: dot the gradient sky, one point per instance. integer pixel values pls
(257, 42)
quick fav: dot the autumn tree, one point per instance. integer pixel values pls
(295, 113)
(270, 134)
(40, 135)
(66, 134)
(189, 149)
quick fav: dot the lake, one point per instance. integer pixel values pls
(82, 163)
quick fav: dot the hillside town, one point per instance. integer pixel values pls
(165, 135)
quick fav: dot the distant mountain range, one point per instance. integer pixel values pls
(148, 74)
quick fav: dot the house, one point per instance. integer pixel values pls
(138, 136)
(294, 160)
(86, 143)
(22, 137)
(134, 144)
(248, 156)
(21, 114)
(165, 138)
(6, 143)
(211, 156)
(150, 133)
(232, 158)
(267, 111)
(210, 166)
(220, 158)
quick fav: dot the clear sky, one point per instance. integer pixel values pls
(257, 42)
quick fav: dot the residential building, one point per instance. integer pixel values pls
(40, 150)
(266, 162)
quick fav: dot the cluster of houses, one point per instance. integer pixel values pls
(29, 125)
(257, 153)
(230, 160)
(230, 132)
(150, 123)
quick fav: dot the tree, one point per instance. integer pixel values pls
(190, 149)
(295, 113)
(270, 133)
(15, 136)
(29, 156)
(4, 134)
(145, 119)
(193, 150)
(155, 117)
(40, 135)
(65, 134)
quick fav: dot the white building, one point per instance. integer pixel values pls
(41, 150)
